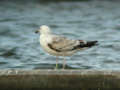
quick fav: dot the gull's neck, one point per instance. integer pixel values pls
(45, 35)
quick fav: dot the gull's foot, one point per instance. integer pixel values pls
(63, 68)
(55, 68)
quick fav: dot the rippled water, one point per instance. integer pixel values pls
(88, 20)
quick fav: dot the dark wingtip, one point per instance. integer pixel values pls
(92, 43)
(96, 42)
(36, 31)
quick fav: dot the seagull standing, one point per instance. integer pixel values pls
(61, 46)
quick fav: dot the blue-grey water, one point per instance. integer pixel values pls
(87, 20)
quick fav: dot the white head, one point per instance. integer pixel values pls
(44, 29)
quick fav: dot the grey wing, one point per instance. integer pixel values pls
(62, 44)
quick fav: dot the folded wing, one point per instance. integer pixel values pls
(62, 44)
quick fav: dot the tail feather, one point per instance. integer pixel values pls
(84, 44)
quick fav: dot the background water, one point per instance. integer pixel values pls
(88, 20)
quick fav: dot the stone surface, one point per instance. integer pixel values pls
(36, 79)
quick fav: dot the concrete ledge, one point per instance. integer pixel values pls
(47, 79)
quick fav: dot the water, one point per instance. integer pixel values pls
(88, 20)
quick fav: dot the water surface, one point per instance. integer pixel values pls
(88, 20)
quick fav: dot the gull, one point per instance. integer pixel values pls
(57, 45)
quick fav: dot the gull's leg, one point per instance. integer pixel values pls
(64, 63)
(56, 63)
